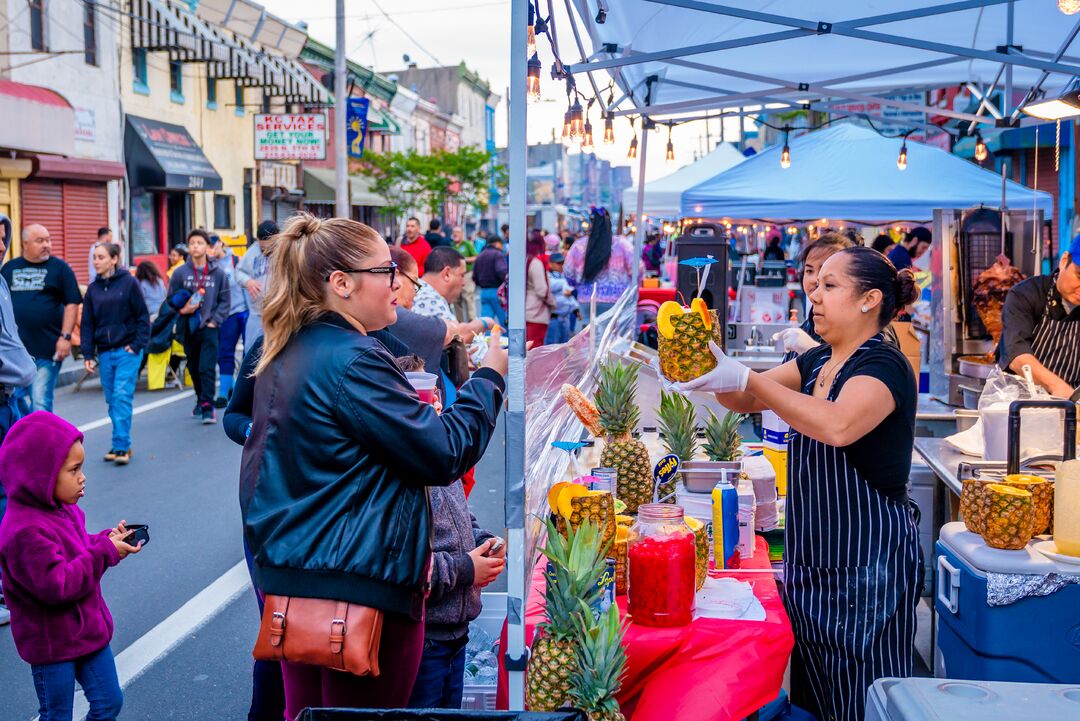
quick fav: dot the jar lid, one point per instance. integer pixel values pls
(652, 512)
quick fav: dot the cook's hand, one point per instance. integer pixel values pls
(795, 340)
(729, 376)
(496, 358)
(254, 288)
(485, 569)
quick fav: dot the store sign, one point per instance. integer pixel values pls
(356, 128)
(896, 120)
(85, 125)
(290, 136)
(278, 175)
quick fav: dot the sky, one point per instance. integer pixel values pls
(433, 33)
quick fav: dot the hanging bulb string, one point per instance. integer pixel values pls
(1057, 148)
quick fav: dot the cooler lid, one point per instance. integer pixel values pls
(972, 549)
(930, 699)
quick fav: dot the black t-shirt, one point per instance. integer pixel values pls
(883, 456)
(39, 292)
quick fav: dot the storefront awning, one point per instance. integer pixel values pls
(250, 20)
(158, 25)
(35, 119)
(163, 156)
(319, 188)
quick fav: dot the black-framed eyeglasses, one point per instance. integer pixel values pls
(414, 281)
(390, 270)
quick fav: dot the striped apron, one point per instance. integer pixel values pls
(1057, 342)
(852, 576)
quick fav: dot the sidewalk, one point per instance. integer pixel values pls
(71, 371)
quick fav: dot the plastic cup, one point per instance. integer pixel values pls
(425, 384)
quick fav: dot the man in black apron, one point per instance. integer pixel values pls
(1041, 327)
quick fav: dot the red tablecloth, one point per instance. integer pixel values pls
(656, 294)
(711, 670)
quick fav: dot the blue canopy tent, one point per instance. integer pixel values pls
(849, 172)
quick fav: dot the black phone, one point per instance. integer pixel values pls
(138, 532)
(495, 547)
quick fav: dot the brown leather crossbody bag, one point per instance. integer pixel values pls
(333, 634)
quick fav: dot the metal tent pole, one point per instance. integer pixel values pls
(341, 160)
(639, 236)
(517, 151)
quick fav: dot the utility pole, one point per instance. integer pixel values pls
(341, 158)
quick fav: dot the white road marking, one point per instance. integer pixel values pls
(100, 422)
(140, 656)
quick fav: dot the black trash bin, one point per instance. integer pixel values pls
(344, 714)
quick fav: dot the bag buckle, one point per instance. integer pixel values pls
(337, 636)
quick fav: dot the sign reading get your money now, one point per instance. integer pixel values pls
(290, 136)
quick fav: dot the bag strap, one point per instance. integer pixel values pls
(278, 622)
(337, 635)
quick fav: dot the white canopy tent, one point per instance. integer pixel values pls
(848, 172)
(663, 196)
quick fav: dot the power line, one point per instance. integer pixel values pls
(406, 33)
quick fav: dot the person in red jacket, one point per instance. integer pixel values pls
(52, 569)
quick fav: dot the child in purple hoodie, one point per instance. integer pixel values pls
(52, 569)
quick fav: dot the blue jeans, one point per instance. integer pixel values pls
(267, 685)
(95, 672)
(490, 307)
(232, 330)
(440, 682)
(119, 371)
(558, 330)
(39, 396)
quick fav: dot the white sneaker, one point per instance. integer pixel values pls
(5, 616)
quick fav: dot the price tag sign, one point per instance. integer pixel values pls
(666, 469)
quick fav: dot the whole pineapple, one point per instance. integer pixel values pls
(618, 416)
(601, 664)
(678, 424)
(722, 439)
(577, 562)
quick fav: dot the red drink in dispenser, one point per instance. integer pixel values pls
(662, 561)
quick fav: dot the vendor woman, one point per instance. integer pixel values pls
(1041, 327)
(852, 566)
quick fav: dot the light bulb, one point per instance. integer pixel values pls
(587, 138)
(785, 157)
(901, 160)
(577, 121)
(670, 152)
(609, 131)
(532, 85)
(981, 151)
(1069, 7)
(632, 152)
(531, 41)
(566, 125)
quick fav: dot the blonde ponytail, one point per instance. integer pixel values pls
(302, 255)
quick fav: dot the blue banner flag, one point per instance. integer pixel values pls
(356, 128)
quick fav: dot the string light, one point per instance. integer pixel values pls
(587, 138)
(533, 80)
(531, 34)
(577, 121)
(631, 153)
(670, 156)
(785, 154)
(901, 160)
(566, 125)
(1069, 7)
(609, 130)
(981, 151)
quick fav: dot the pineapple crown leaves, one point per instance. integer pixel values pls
(722, 438)
(601, 661)
(616, 392)
(678, 423)
(577, 562)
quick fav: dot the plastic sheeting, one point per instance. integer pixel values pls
(712, 670)
(848, 172)
(549, 419)
(663, 196)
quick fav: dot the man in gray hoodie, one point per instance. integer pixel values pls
(17, 370)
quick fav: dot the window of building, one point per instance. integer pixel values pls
(138, 67)
(89, 32)
(224, 206)
(239, 99)
(37, 24)
(211, 93)
(176, 81)
(266, 102)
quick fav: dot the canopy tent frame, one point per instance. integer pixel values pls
(635, 99)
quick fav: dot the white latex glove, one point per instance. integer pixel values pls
(728, 376)
(667, 385)
(795, 339)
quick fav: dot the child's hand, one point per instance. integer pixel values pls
(124, 548)
(485, 569)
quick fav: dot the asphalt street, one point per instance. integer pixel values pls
(185, 615)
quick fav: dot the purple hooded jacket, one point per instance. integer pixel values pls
(51, 567)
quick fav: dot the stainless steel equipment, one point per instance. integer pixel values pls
(967, 242)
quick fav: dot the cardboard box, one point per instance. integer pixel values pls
(910, 346)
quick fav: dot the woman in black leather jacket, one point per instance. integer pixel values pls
(333, 477)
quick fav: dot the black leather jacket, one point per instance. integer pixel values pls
(333, 477)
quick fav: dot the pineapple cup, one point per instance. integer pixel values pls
(683, 340)
(701, 548)
(971, 504)
(1010, 518)
(598, 507)
(1042, 497)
